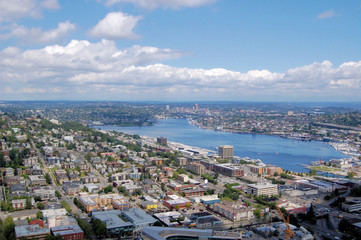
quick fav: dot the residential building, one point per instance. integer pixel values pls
(71, 189)
(162, 140)
(37, 180)
(12, 180)
(45, 193)
(225, 151)
(69, 232)
(182, 161)
(18, 204)
(229, 170)
(196, 168)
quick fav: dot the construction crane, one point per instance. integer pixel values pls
(288, 232)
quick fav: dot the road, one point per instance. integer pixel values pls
(64, 197)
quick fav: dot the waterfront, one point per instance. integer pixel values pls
(286, 153)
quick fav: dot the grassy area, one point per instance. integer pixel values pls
(227, 199)
(325, 169)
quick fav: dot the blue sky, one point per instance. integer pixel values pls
(240, 50)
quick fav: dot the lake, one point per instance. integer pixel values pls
(285, 153)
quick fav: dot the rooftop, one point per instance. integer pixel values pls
(65, 230)
(111, 219)
(23, 231)
(137, 216)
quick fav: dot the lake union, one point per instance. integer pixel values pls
(285, 153)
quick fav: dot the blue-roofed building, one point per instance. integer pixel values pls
(139, 218)
(208, 200)
(114, 224)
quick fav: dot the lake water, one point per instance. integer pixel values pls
(285, 153)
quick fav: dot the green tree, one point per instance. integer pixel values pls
(39, 215)
(99, 227)
(257, 212)
(57, 194)
(28, 203)
(350, 174)
(313, 172)
(41, 206)
(48, 178)
(9, 227)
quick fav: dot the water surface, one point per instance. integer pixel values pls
(285, 153)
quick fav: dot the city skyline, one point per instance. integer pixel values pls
(137, 50)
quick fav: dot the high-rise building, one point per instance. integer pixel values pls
(225, 151)
(162, 140)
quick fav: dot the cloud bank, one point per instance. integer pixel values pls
(85, 70)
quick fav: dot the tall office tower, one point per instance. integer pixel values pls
(225, 151)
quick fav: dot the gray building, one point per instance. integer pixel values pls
(139, 218)
(225, 151)
(114, 224)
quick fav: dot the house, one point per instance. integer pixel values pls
(18, 204)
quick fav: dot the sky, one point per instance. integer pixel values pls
(181, 50)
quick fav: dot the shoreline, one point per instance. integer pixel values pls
(189, 147)
(335, 145)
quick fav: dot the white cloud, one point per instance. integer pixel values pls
(84, 70)
(116, 25)
(37, 35)
(327, 14)
(151, 4)
(15, 9)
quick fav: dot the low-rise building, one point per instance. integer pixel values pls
(229, 169)
(45, 193)
(37, 180)
(114, 224)
(262, 189)
(138, 218)
(232, 211)
(352, 206)
(193, 192)
(208, 222)
(18, 204)
(148, 205)
(31, 232)
(69, 232)
(178, 203)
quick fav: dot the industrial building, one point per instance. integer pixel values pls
(262, 189)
